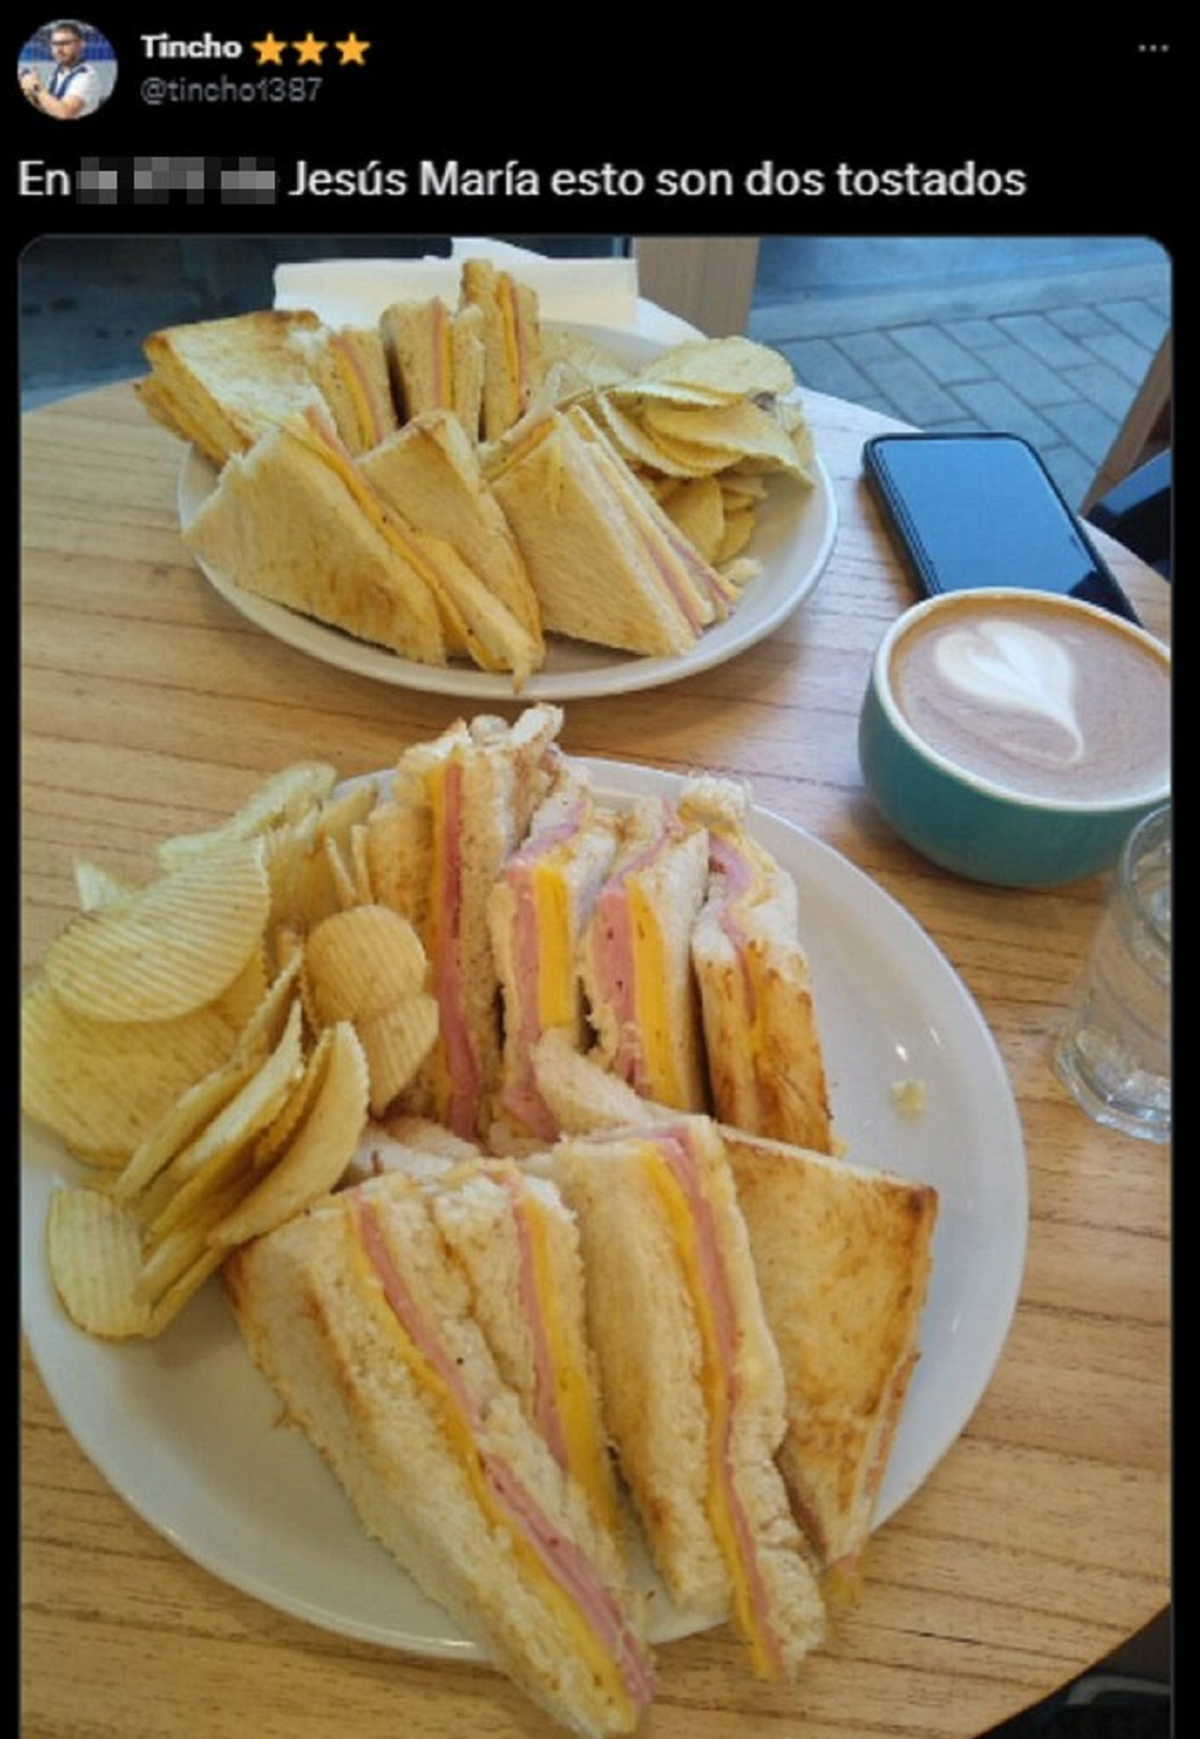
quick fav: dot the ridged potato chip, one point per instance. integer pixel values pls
(361, 962)
(320, 1152)
(94, 1249)
(396, 1043)
(739, 529)
(638, 446)
(210, 1162)
(735, 366)
(97, 887)
(167, 1308)
(735, 432)
(245, 995)
(582, 356)
(641, 390)
(181, 1250)
(742, 489)
(698, 509)
(360, 863)
(187, 1116)
(172, 947)
(683, 458)
(299, 860)
(341, 875)
(274, 1138)
(265, 1027)
(282, 797)
(741, 570)
(103, 1085)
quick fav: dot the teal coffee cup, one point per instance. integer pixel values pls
(1016, 737)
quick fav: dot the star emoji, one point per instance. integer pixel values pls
(309, 50)
(352, 51)
(270, 50)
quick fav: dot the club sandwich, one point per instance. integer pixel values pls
(429, 476)
(459, 808)
(289, 522)
(607, 564)
(635, 958)
(765, 1060)
(377, 1315)
(691, 1380)
(843, 1256)
(537, 912)
(221, 384)
(349, 366)
(296, 521)
(512, 344)
(436, 359)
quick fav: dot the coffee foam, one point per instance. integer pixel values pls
(1048, 698)
(1018, 668)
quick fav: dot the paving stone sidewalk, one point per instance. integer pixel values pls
(1057, 359)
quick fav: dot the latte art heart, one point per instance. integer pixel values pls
(1016, 667)
(1043, 696)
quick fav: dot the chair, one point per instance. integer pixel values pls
(1130, 496)
(1137, 512)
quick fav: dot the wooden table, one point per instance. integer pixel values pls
(1040, 1542)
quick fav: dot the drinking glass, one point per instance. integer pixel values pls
(1115, 1051)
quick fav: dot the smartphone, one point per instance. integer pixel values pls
(982, 510)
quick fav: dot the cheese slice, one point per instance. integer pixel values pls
(687, 1212)
(582, 1433)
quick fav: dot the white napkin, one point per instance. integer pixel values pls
(590, 292)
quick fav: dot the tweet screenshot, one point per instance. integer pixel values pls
(595, 841)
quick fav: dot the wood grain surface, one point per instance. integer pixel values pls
(1038, 1544)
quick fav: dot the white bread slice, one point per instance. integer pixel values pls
(512, 342)
(355, 1315)
(691, 1381)
(843, 1258)
(635, 958)
(430, 472)
(412, 1145)
(399, 840)
(536, 914)
(349, 366)
(584, 1097)
(223, 383)
(518, 1244)
(283, 522)
(594, 576)
(765, 1060)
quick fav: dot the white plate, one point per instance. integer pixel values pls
(189, 1434)
(793, 539)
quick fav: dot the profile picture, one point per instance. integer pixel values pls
(67, 69)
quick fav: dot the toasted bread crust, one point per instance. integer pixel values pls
(286, 526)
(843, 1258)
(223, 383)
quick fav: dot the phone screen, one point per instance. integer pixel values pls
(980, 510)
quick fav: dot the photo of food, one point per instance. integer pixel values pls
(541, 1208)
